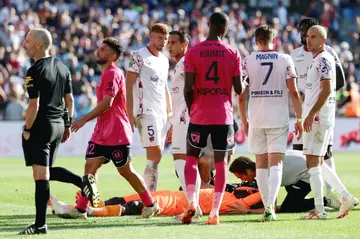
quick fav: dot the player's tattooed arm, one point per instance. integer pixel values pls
(188, 89)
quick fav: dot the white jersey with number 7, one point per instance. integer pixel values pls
(268, 94)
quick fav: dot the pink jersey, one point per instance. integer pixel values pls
(112, 127)
(214, 64)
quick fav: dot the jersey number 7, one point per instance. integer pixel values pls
(271, 65)
(213, 69)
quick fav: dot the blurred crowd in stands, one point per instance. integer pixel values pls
(79, 26)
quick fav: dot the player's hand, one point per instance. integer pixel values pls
(308, 122)
(238, 209)
(132, 122)
(26, 135)
(169, 134)
(77, 124)
(298, 130)
(66, 135)
(245, 127)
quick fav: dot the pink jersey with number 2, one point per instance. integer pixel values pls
(214, 63)
(112, 127)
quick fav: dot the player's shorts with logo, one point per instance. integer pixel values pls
(44, 141)
(152, 130)
(222, 136)
(120, 155)
(268, 140)
(316, 141)
(179, 138)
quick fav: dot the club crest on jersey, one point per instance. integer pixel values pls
(154, 78)
(195, 137)
(151, 139)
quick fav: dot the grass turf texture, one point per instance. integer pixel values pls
(17, 208)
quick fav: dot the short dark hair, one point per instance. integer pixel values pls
(241, 164)
(183, 36)
(309, 22)
(115, 45)
(219, 19)
(160, 28)
(264, 33)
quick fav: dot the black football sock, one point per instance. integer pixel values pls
(115, 201)
(42, 194)
(63, 175)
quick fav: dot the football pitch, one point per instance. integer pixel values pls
(17, 208)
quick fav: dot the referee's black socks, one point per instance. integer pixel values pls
(42, 194)
(63, 175)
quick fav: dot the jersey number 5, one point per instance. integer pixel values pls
(271, 65)
(213, 69)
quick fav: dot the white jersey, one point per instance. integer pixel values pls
(268, 93)
(302, 59)
(294, 168)
(322, 67)
(149, 89)
(180, 112)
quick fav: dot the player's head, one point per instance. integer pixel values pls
(316, 38)
(243, 168)
(264, 35)
(37, 41)
(177, 43)
(158, 36)
(304, 26)
(109, 51)
(218, 24)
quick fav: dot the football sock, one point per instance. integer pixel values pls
(275, 178)
(179, 165)
(190, 178)
(82, 203)
(146, 198)
(331, 178)
(114, 201)
(262, 179)
(197, 189)
(316, 184)
(63, 175)
(220, 184)
(42, 195)
(151, 175)
(331, 163)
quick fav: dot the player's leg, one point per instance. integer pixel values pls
(122, 160)
(205, 167)
(295, 200)
(329, 160)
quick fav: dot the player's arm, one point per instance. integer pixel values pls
(34, 94)
(238, 83)
(168, 103)
(296, 100)
(242, 111)
(325, 86)
(130, 81)
(188, 89)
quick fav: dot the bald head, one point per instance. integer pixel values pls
(319, 30)
(43, 36)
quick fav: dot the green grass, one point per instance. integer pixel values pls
(17, 208)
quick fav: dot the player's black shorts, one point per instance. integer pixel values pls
(120, 154)
(44, 141)
(222, 136)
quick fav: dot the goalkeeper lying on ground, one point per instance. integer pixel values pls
(240, 200)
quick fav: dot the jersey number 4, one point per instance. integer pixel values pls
(213, 70)
(271, 65)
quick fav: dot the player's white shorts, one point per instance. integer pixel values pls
(317, 141)
(179, 138)
(300, 141)
(268, 140)
(152, 130)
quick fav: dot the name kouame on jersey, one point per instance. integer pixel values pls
(321, 68)
(149, 89)
(214, 64)
(180, 113)
(268, 101)
(302, 59)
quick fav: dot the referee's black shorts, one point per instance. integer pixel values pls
(44, 141)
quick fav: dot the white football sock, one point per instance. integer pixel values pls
(262, 179)
(331, 164)
(151, 175)
(316, 184)
(331, 178)
(275, 178)
(179, 165)
(197, 190)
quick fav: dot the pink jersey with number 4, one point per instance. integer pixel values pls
(112, 127)
(214, 64)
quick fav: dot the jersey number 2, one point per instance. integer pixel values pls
(213, 68)
(271, 65)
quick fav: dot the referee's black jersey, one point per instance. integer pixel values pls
(49, 79)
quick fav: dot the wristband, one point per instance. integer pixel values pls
(298, 120)
(67, 119)
(25, 129)
(170, 114)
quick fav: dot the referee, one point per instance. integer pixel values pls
(48, 84)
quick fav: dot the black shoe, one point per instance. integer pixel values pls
(90, 190)
(32, 229)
